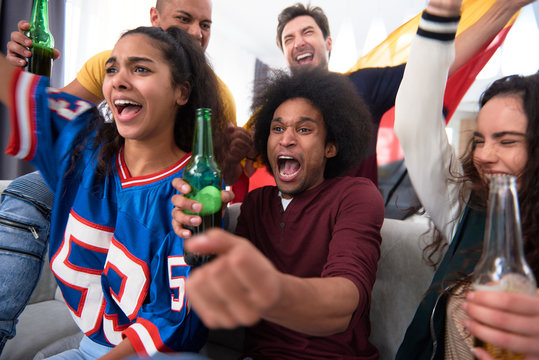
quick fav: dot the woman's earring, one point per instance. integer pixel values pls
(105, 112)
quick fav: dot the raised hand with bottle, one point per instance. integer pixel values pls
(32, 37)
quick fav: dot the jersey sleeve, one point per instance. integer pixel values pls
(39, 116)
(165, 321)
(378, 86)
(92, 73)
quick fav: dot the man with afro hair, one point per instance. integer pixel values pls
(300, 270)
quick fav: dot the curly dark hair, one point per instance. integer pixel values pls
(346, 116)
(299, 9)
(187, 64)
(526, 88)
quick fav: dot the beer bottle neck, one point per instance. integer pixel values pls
(39, 28)
(203, 142)
(503, 249)
(503, 234)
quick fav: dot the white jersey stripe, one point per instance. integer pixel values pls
(24, 105)
(145, 338)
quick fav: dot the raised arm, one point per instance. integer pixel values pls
(469, 42)
(418, 114)
(17, 52)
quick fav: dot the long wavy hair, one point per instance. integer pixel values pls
(526, 88)
(187, 64)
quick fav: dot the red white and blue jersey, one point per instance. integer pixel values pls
(112, 247)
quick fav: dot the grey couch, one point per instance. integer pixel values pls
(45, 326)
(44, 321)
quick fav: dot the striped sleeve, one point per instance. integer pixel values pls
(437, 27)
(23, 111)
(145, 338)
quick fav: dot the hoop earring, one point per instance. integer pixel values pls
(105, 112)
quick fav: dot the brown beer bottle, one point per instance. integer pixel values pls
(204, 176)
(42, 49)
(502, 266)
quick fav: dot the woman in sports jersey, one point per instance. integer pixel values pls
(112, 248)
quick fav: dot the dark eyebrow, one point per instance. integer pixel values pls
(504, 133)
(310, 27)
(132, 59)
(191, 16)
(500, 134)
(136, 59)
(307, 119)
(302, 119)
(184, 13)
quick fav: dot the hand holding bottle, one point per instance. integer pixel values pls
(505, 283)
(179, 218)
(18, 47)
(507, 320)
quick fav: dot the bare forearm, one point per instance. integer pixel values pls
(316, 306)
(6, 72)
(445, 8)
(469, 42)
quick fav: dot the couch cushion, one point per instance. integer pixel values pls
(59, 346)
(39, 325)
(401, 280)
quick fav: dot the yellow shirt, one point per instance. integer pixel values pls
(92, 74)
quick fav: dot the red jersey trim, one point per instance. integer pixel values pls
(128, 181)
(145, 338)
(22, 140)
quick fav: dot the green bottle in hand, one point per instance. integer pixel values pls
(204, 176)
(42, 49)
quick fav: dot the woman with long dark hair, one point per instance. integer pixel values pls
(453, 192)
(112, 248)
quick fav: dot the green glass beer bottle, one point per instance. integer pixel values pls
(204, 176)
(40, 62)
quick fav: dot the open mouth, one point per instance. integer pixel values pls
(288, 166)
(127, 108)
(304, 58)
